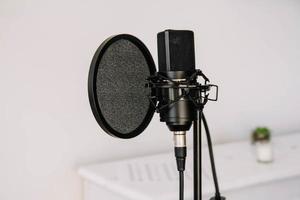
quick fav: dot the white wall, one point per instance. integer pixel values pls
(250, 48)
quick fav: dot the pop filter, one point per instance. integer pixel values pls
(116, 86)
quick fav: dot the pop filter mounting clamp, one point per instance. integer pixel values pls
(198, 94)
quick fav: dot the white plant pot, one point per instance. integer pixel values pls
(264, 152)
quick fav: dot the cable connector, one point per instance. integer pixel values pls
(180, 149)
(180, 154)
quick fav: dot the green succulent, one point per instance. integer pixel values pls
(261, 134)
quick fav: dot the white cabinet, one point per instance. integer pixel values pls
(240, 176)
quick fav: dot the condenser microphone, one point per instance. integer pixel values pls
(176, 62)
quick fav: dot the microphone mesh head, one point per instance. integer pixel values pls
(120, 94)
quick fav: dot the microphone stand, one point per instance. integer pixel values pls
(197, 156)
(158, 82)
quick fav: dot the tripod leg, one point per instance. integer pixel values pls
(197, 157)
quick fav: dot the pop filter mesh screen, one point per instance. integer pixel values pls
(120, 86)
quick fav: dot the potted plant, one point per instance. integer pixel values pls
(261, 138)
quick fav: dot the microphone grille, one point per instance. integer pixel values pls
(176, 50)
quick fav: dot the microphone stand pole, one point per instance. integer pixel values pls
(197, 157)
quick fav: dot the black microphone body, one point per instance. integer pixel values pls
(176, 60)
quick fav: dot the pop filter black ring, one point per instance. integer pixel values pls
(92, 86)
